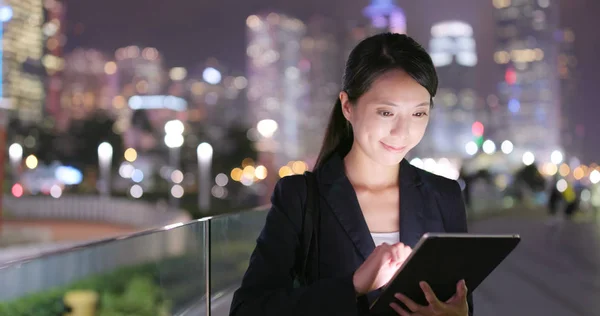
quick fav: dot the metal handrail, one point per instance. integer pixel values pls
(150, 231)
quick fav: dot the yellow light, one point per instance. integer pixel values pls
(248, 172)
(299, 167)
(253, 21)
(110, 68)
(31, 162)
(118, 102)
(177, 73)
(247, 162)
(499, 4)
(564, 170)
(550, 169)
(578, 173)
(142, 86)
(198, 88)
(260, 172)
(285, 171)
(130, 154)
(236, 174)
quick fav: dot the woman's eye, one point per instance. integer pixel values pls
(385, 113)
(420, 114)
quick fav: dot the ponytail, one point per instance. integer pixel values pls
(338, 136)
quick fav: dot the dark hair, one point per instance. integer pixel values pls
(370, 59)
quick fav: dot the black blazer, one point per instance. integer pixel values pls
(428, 203)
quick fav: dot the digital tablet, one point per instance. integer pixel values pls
(442, 260)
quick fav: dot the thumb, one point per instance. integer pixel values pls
(461, 288)
(461, 292)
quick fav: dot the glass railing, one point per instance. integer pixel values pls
(183, 269)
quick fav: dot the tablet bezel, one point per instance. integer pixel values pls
(429, 236)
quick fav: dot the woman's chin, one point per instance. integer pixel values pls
(388, 159)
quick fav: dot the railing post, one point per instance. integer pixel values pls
(207, 257)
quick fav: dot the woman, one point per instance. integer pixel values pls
(373, 205)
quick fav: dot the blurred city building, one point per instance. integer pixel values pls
(453, 51)
(216, 95)
(85, 84)
(572, 130)
(529, 94)
(277, 80)
(381, 16)
(23, 48)
(54, 30)
(137, 71)
(322, 53)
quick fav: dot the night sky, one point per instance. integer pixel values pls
(188, 32)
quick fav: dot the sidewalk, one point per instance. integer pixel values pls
(554, 271)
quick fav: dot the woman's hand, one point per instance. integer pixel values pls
(380, 267)
(455, 306)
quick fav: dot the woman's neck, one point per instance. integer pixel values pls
(362, 171)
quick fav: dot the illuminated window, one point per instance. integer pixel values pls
(452, 40)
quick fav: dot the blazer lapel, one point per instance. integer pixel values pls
(344, 204)
(412, 204)
(341, 198)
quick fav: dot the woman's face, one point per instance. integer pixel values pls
(390, 118)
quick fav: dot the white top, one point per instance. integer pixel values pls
(389, 238)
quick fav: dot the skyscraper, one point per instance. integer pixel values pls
(277, 79)
(572, 131)
(382, 16)
(385, 15)
(54, 34)
(85, 86)
(321, 51)
(453, 51)
(529, 94)
(23, 86)
(140, 70)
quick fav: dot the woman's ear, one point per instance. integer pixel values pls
(346, 106)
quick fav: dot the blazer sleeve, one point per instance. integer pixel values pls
(457, 220)
(267, 286)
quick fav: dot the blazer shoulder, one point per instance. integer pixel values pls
(293, 186)
(289, 197)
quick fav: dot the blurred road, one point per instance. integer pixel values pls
(555, 271)
(24, 238)
(62, 230)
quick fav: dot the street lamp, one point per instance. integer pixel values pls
(266, 128)
(556, 157)
(174, 140)
(471, 148)
(205, 155)
(15, 155)
(105, 154)
(266, 156)
(489, 147)
(507, 147)
(528, 158)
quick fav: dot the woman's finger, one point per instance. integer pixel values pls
(430, 295)
(410, 304)
(401, 311)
